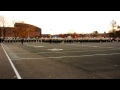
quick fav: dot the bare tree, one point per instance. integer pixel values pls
(114, 26)
(13, 22)
(19, 31)
(24, 29)
(95, 33)
(3, 24)
(16, 30)
(20, 28)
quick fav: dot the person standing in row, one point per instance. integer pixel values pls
(22, 40)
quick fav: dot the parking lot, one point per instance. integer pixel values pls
(36, 60)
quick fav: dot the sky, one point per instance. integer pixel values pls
(60, 22)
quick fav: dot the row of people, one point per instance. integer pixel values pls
(58, 40)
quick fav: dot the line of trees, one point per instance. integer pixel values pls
(114, 32)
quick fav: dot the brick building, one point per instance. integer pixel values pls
(19, 29)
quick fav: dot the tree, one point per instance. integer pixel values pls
(113, 24)
(113, 29)
(104, 34)
(95, 33)
(112, 33)
(75, 35)
(3, 24)
(20, 29)
(15, 30)
(23, 29)
(117, 33)
(118, 27)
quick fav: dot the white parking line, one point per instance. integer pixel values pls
(85, 55)
(38, 46)
(15, 70)
(64, 51)
(55, 49)
(94, 46)
(68, 56)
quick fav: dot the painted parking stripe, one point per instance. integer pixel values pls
(15, 70)
(67, 51)
(55, 49)
(38, 46)
(67, 56)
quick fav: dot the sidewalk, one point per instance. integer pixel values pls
(6, 70)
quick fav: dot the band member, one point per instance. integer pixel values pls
(22, 40)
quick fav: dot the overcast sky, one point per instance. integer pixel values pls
(55, 22)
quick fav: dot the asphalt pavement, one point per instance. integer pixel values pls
(61, 61)
(6, 70)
